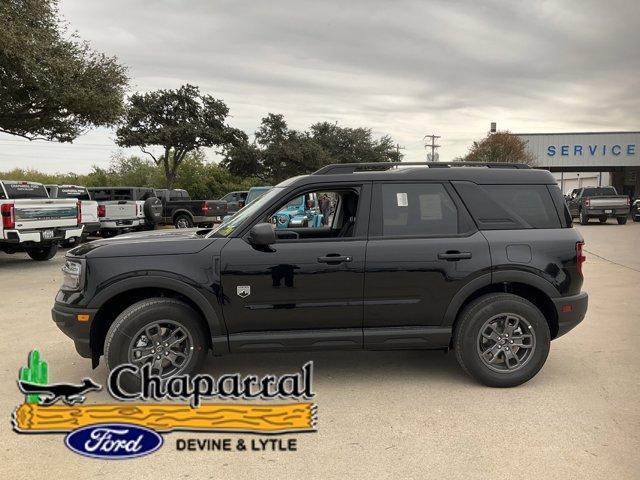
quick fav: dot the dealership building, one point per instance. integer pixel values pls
(589, 159)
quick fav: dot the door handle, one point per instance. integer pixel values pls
(334, 259)
(454, 255)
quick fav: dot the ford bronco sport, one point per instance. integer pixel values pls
(480, 259)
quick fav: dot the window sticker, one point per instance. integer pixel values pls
(402, 199)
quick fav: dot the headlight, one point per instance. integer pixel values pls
(71, 275)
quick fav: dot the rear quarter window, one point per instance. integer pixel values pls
(509, 207)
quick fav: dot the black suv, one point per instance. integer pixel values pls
(482, 260)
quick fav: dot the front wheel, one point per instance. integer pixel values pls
(166, 334)
(42, 253)
(501, 340)
(622, 220)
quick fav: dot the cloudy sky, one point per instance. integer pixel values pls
(403, 68)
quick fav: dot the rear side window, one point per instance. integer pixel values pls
(410, 210)
(509, 207)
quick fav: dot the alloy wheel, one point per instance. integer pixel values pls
(506, 342)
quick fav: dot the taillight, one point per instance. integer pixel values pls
(580, 258)
(8, 216)
(205, 208)
(587, 202)
(137, 210)
(628, 201)
(102, 211)
(79, 212)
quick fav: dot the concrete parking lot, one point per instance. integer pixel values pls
(383, 415)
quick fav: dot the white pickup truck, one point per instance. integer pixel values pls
(88, 208)
(33, 222)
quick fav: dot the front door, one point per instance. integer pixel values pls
(304, 292)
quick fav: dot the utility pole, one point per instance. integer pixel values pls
(398, 148)
(432, 146)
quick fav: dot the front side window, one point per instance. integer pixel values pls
(417, 209)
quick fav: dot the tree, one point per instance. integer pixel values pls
(179, 121)
(500, 147)
(350, 145)
(280, 152)
(53, 86)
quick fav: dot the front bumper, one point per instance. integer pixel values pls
(571, 311)
(37, 236)
(65, 318)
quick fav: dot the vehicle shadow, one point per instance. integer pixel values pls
(332, 365)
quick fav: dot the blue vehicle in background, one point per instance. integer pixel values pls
(302, 211)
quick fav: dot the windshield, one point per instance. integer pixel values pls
(237, 219)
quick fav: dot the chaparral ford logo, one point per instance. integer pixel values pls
(113, 440)
(131, 428)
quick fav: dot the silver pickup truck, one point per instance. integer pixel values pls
(33, 222)
(598, 202)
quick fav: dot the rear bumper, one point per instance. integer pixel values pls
(119, 224)
(571, 311)
(36, 236)
(611, 212)
(90, 228)
(65, 318)
(201, 219)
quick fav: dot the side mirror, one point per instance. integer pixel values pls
(262, 235)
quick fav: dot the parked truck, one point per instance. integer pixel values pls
(179, 209)
(34, 223)
(124, 209)
(88, 207)
(598, 202)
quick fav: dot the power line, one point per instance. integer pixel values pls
(431, 145)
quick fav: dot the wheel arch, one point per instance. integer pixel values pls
(179, 212)
(524, 284)
(111, 301)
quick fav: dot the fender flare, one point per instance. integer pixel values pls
(182, 211)
(493, 278)
(216, 325)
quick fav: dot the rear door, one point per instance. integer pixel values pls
(423, 248)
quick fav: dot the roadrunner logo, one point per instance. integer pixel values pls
(243, 291)
(131, 427)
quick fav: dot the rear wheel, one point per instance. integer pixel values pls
(622, 220)
(42, 253)
(183, 221)
(163, 333)
(501, 340)
(584, 218)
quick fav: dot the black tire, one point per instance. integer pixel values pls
(43, 253)
(603, 219)
(636, 218)
(136, 317)
(183, 221)
(584, 218)
(152, 209)
(621, 220)
(467, 336)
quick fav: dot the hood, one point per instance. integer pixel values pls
(157, 242)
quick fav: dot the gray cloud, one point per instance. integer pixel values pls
(402, 68)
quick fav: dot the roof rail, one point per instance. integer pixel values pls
(338, 168)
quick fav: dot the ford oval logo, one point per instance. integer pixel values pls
(113, 441)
